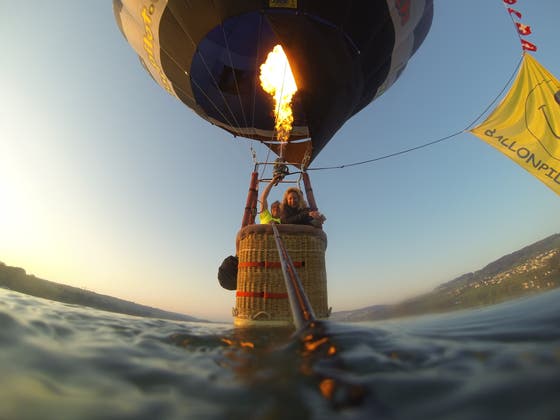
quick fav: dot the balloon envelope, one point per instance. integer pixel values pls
(343, 55)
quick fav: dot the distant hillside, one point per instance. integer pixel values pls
(17, 279)
(532, 269)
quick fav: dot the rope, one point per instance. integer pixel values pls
(257, 56)
(507, 8)
(194, 82)
(233, 72)
(499, 94)
(402, 152)
(431, 143)
(266, 162)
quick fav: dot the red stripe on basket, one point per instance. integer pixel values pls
(268, 295)
(267, 264)
(264, 295)
(240, 293)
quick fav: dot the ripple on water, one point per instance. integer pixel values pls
(66, 362)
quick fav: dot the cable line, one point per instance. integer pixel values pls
(431, 143)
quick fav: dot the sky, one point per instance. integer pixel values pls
(108, 183)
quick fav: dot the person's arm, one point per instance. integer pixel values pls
(317, 218)
(317, 215)
(266, 191)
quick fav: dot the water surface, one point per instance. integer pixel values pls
(60, 361)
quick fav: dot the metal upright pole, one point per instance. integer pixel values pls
(251, 203)
(309, 191)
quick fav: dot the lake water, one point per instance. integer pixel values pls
(62, 361)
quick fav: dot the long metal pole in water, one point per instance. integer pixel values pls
(299, 303)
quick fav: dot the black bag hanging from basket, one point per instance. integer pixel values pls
(227, 273)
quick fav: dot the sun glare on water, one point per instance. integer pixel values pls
(277, 80)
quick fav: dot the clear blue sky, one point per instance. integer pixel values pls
(110, 184)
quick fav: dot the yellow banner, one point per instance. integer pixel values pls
(526, 125)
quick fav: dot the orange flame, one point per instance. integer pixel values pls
(278, 81)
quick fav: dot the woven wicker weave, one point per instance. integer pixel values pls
(261, 292)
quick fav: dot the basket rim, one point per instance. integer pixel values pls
(306, 230)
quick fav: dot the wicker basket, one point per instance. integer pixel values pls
(261, 298)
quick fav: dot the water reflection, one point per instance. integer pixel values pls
(270, 361)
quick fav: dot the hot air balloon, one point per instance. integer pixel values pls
(343, 55)
(287, 73)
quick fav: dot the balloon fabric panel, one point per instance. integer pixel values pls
(343, 55)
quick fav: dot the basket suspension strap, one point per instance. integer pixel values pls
(251, 203)
(302, 311)
(309, 191)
